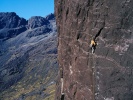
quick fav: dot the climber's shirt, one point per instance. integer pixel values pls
(93, 43)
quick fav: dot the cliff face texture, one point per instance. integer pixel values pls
(106, 74)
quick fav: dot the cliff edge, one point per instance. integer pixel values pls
(107, 73)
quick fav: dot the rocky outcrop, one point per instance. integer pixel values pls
(11, 25)
(106, 74)
(7, 33)
(13, 20)
(37, 21)
(50, 17)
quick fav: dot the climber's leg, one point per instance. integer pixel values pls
(62, 96)
(92, 49)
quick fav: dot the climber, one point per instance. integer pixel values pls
(93, 45)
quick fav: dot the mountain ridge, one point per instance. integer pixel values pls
(28, 59)
(15, 25)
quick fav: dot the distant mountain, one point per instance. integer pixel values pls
(11, 20)
(28, 57)
(50, 17)
(37, 21)
(11, 25)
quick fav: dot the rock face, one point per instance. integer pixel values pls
(37, 21)
(50, 17)
(11, 20)
(11, 25)
(28, 58)
(106, 74)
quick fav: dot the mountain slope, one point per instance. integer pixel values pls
(106, 74)
(28, 59)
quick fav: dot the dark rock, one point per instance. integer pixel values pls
(12, 22)
(37, 21)
(7, 33)
(39, 31)
(50, 17)
(106, 74)
(11, 25)
(52, 51)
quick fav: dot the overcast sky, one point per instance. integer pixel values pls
(28, 8)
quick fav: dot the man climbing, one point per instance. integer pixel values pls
(93, 45)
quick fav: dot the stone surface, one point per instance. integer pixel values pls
(37, 21)
(106, 74)
(50, 17)
(13, 20)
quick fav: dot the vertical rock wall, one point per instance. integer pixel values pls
(106, 74)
